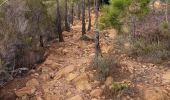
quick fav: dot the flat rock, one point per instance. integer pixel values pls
(166, 77)
(25, 91)
(96, 92)
(71, 76)
(45, 77)
(82, 77)
(55, 66)
(48, 62)
(83, 85)
(64, 71)
(154, 94)
(109, 81)
(39, 98)
(77, 97)
(46, 70)
(32, 82)
(51, 97)
(67, 69)
(94, 99)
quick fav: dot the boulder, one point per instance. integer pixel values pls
(25, 91)
(32, 82)
(51, 97)
(96, 92)
(154, 94)
(71, 76)
(77, 97)
(109, 81)
(67, 69)
(45, 77)
(166, 77)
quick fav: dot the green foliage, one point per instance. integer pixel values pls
(117, 86)
(113, 13)
(164, 26)
(29, 41)
(118, 11)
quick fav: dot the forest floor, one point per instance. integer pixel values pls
(66, 74)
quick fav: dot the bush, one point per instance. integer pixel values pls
(102, 66)
(155, 51)
(164, 28)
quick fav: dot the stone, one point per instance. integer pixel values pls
(166, 77)
(96, 92)
(48, 62)
(64, 71)
(83, 85)
(45, 77)
(94, 99)
(55, 66)
(39, 98)
(51, 97)
(32, 82)
(154, 94)
(65, 51)
(25, 91)
(77, 97)
(25, 97)
(68, 69)
(45, 70)
(71, 76)
(82, 77)
(109, 81)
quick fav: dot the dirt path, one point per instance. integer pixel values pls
(65, 74)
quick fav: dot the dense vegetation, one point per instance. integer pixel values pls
(143, 26)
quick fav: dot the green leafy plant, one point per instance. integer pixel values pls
(117, 86)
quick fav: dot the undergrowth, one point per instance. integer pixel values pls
(150, 50)
(102, 66)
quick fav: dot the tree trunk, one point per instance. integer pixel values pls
(79, 10)
(41, 41)
(83, 18)
(67, 27)
(58, 23)
(166, 11)
(72, 13)
(89, 14)
(97, 41)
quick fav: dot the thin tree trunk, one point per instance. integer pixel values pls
(83, 18)
(72, 13)
(97, 41)
(94, 4)
(166, 12)
(89, 14)
(41, 41)
(41, 36)
(79, 10)
(58, 23)
(67, 27)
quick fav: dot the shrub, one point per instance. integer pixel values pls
(102, 65)
(164, 27)
(116, 86)
(154, 51)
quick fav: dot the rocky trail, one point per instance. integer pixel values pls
(66, 74)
